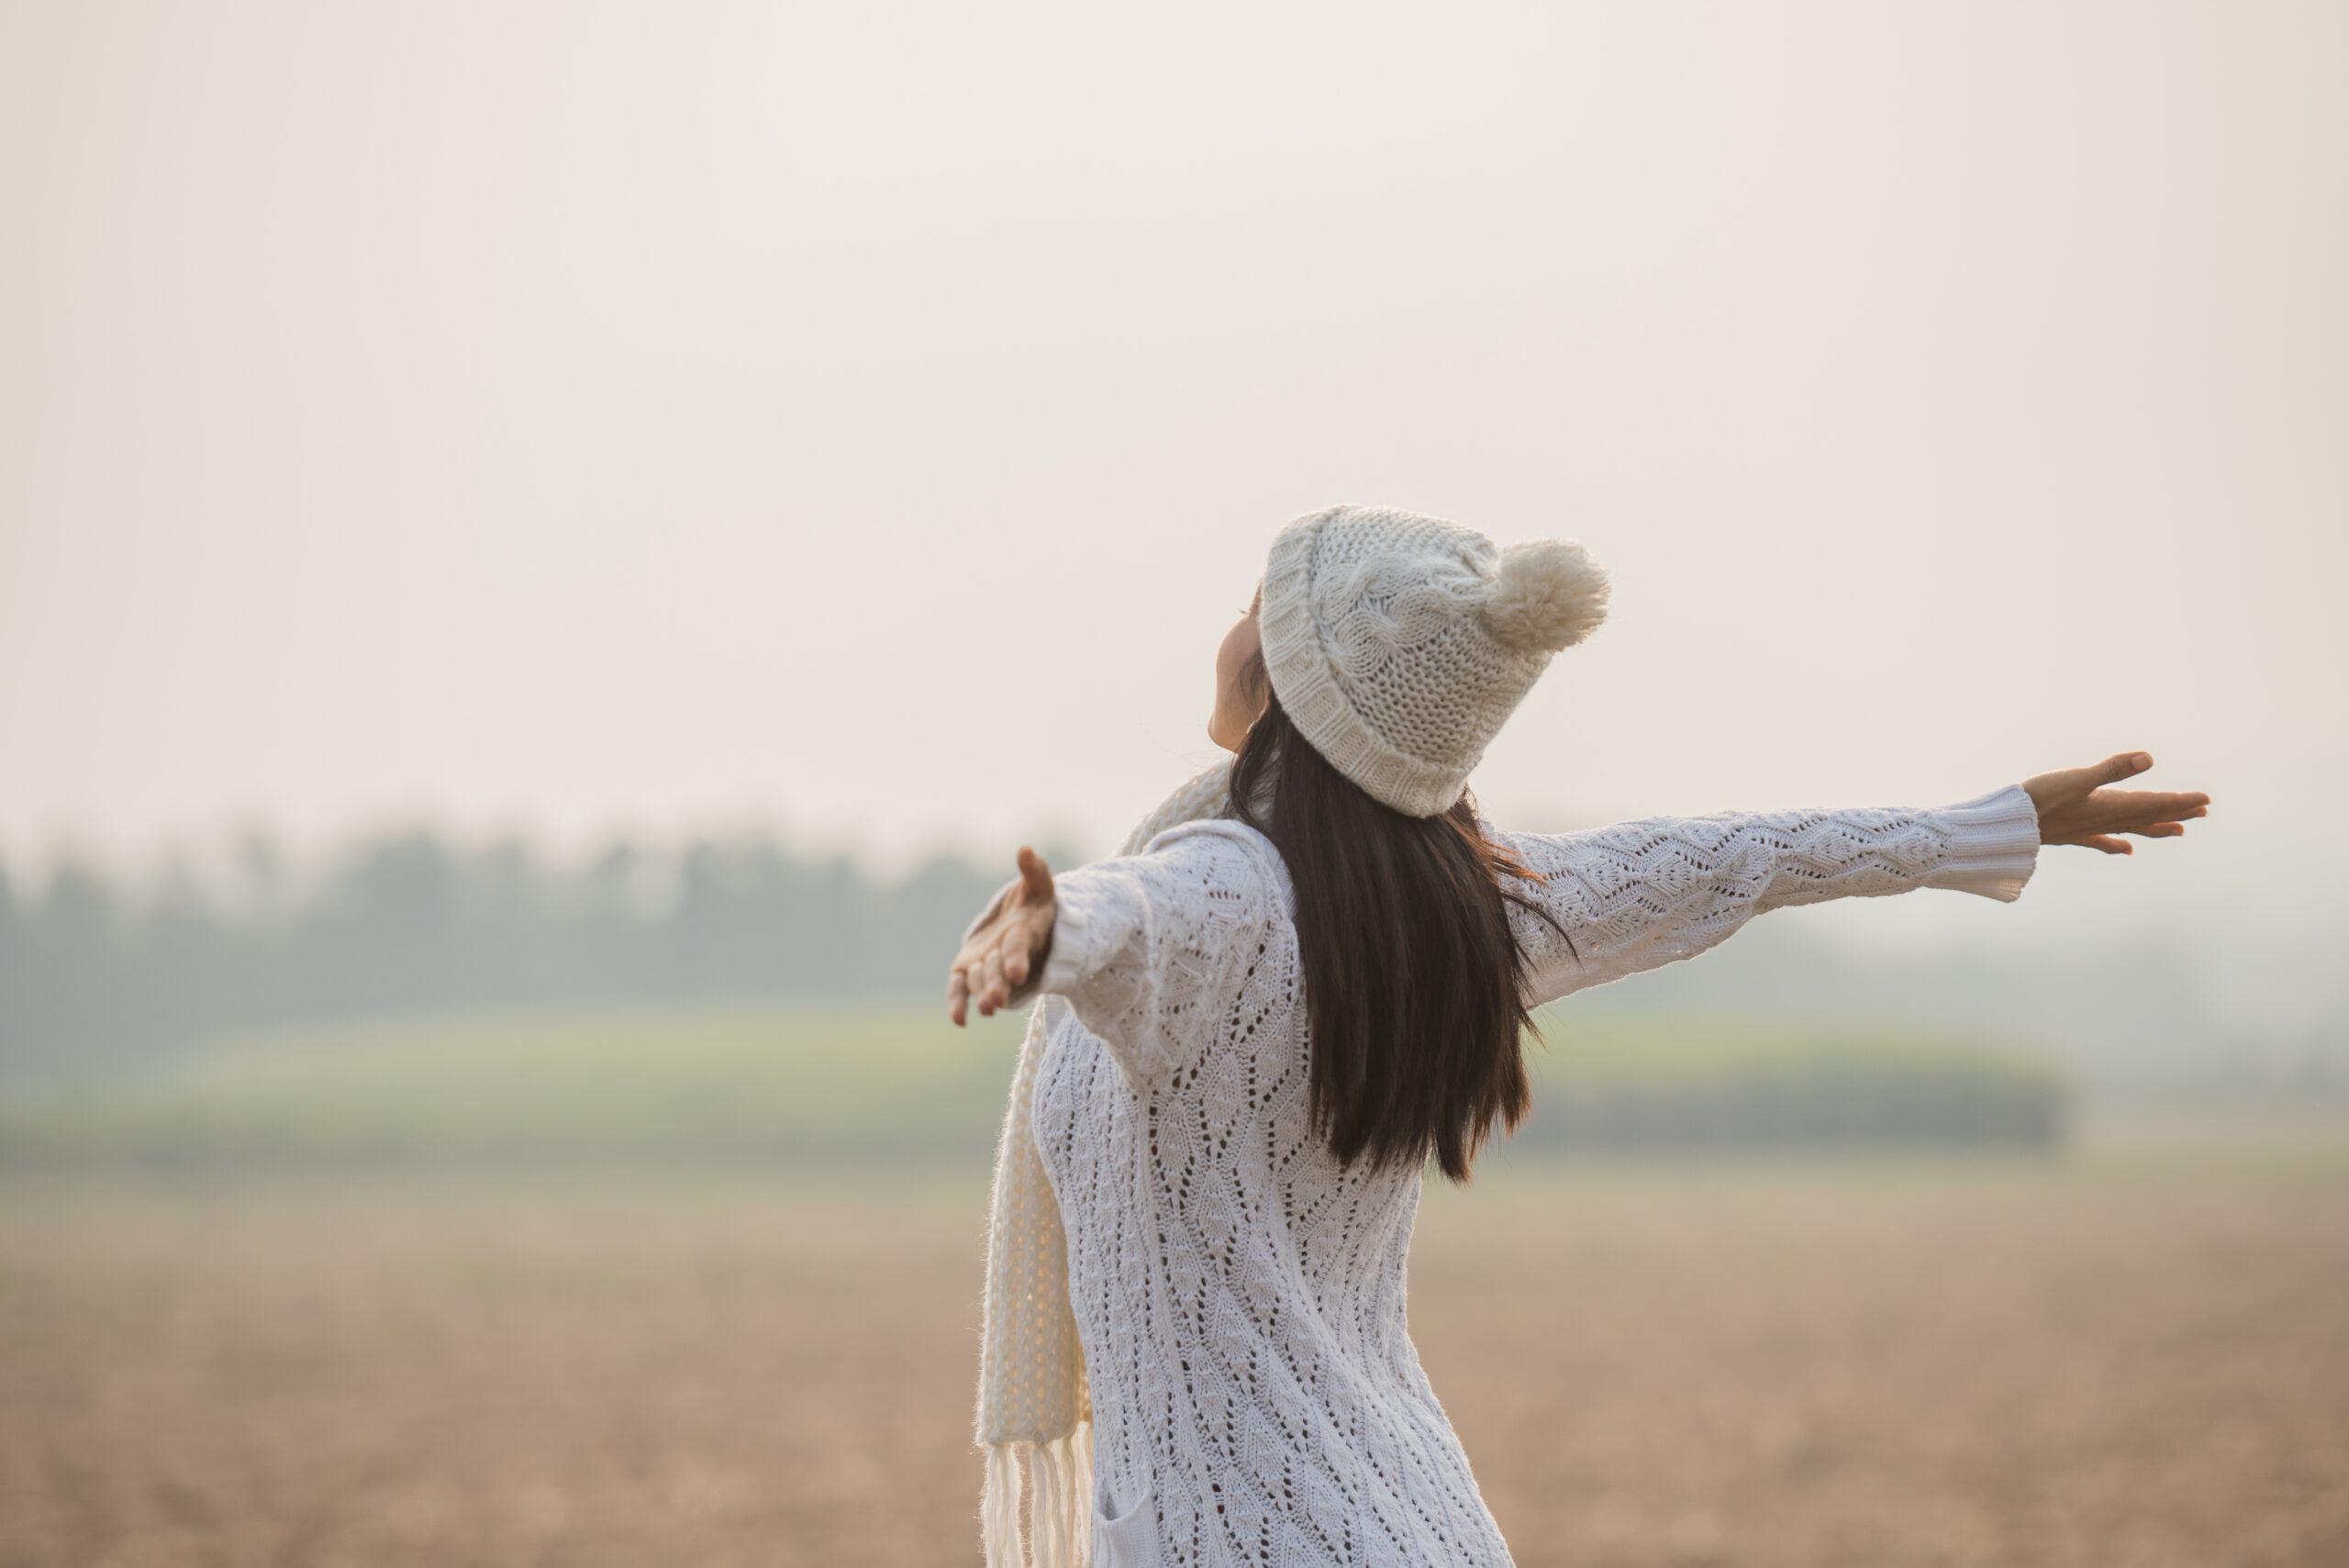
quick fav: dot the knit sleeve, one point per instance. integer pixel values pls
(1640, 894)
(1144, 945)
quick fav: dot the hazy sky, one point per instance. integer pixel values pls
(868, 419)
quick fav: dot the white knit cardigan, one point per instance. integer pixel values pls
(1195, 1320)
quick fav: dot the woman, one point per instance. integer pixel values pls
(1308, 975)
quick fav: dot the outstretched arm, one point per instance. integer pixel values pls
(1135, 945)
(1639, 894)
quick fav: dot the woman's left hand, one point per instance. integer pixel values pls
(2075, 807)
(1011, 943)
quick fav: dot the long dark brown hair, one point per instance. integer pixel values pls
(1414, 984)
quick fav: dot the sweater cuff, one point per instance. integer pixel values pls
(1993, 846)
(1065, 964)
(1069, 961)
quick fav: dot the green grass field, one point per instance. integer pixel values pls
(816, 1084)
(1612, 1085)
(896, 1082)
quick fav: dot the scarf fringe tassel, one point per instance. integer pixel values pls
(1058, 1532)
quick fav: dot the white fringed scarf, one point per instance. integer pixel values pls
(1033, 1400)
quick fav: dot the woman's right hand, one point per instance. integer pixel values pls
(1010, 943)
(2076, 809)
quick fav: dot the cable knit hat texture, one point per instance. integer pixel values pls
(1400, 644)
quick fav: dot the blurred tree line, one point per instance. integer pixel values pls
(100, 970)
(96, 972)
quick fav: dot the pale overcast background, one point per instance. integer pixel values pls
(866, 418)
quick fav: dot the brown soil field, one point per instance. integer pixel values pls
(2118, 1360)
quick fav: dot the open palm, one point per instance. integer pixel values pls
(2077, 807)
(1010, 943)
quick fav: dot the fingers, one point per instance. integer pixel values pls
(985, 980)
(2068, 785)
(1035, 876)
(997, 959)
(993, 993)
(1036, 892)
(2080, 807)
(2126, 811)
(975, 979)
(2151, 803)
(2109, 831)
(987, 972)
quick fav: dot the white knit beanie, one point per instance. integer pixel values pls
(1398, 644)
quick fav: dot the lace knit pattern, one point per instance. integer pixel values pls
(1240, 1297)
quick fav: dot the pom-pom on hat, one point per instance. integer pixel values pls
(1400, 644)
